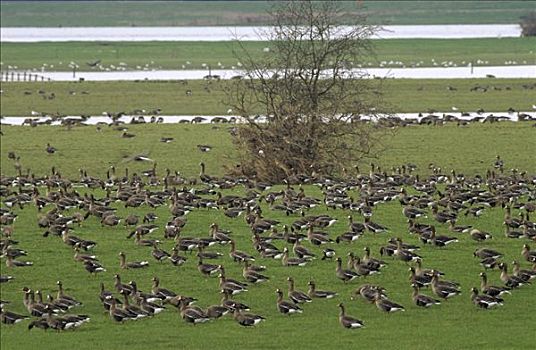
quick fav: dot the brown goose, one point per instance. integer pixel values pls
(175, 258)
(247, 319)
(132, 264)
(386, 305)
(116, 314)
(344, 274)
(286, 307)
(368, 292)
(161, 292)
(295, 295)
(443, 291)
(8, 317)
(120, 287)
(193, 315)
(313, 293)
(492, 291)
(10, 262)
(348, 321)
(484, 253)
(159, 254)
(480, 236)
(253, 276)
(421, 299)
(62, 296)
(484, 301)
(301, 251)
(287, 261)
(207, 269)
(530, 255)
(238, 255)
(510, 281)
(524, 274)
(371, 262)
(231, 286)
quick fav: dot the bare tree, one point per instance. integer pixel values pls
(309, 92)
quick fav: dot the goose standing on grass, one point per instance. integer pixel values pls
(510, 281)
(116, 314)
(313, 293)
(132, 264)
(247, 319)
(530, 255)
(161, 292)
(524, 274)
(348, 321)
(8, 317)
(441, 290)
(286, 261)
(62, 296)
(421, 299)
(386, 305)
(238, 255)
(286, 307)
(295, 295)
(230, 286)
(253, 276)
(191, 314)
(344, 274)
(492, 291)
(484, 301)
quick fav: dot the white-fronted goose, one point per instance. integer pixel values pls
(510, 281)
(120, 287)
(344, 274)
(443, 291)
(530, 255)
(232, 304)
(193, 315)
(484, 253)
(480, 236)
(159, 291)
(484, 301)
(175, 258)
(131, 264)
(419, 280)
(421, 299)
(524, 274)
(253, 276)
(8, 317)
(317, 237)
(287, 261)
(441, 241)
(386, 305)
(348, 321)
(493, 291)
(62, 296)
(159, 254)
(459, 228)
(368, 292)
(207, 255)
(10, 262)
(133, 309)
(149, 307)
(208, 269)
(231, 286)
(116, 314)
(371, 262)
(285, 306)
(296, 295)
(247, 319)
(313, 293)
(412, 212)
(404, 254)
(301, 251)
(238, 255)
(356, 227)
(374, 227)
(5, 278)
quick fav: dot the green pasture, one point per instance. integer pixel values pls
(209, 13)
(208, 97)
(457, 323)
(49, 56)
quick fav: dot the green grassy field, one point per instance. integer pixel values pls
(469, 150)
(192, 13)
(219, 55)
(208, 98)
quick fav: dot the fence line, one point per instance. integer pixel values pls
(21, 76)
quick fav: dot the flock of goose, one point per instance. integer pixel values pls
(441, 197)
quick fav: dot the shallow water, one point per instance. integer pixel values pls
(404, 73)
(173, 119)
(34, 34)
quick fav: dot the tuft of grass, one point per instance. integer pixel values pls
(208, 97)
(469, 150)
